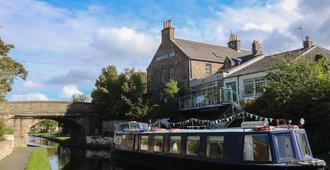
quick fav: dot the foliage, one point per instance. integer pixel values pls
(170, 102)
(133, 87)
(300, 89)
(79, 98)
(106, 92)
(121, 96)
(46, 126)
(4, 130)
(38, 160)
(9, 69)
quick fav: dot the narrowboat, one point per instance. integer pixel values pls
(248, 148)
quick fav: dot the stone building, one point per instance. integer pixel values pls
(185, 60)
(213, 76)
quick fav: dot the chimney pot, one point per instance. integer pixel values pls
(308, 43)
(167, 32)
(234, 43)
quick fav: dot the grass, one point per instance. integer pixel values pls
(38, 160)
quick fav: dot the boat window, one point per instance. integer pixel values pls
(158, 143)
(214, 147)
(117, 139)
(284, 146)
(256, 148)
(175, 144)
(192, 145)
(303, 144)
(144, 146)
(123, 137)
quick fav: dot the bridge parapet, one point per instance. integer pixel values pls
(45, 107)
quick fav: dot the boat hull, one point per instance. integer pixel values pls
(160, 161)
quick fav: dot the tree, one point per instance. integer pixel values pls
(132, 101)
(121, 96)
(170, 102)
(300, 89)
(106, 92)
(9, 69)
(79, 98)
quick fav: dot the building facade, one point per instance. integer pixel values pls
(213, 75)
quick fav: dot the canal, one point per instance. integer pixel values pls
(70, 158)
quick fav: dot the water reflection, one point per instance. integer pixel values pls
(68, 158)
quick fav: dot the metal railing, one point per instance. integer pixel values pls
(211, 98)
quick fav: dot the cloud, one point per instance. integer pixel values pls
(30, 84)
(70, 90)
(28, 97)
(72, 77)
(61, 46)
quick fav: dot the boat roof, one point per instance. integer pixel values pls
(228, 130)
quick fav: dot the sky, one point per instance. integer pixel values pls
(64, 44)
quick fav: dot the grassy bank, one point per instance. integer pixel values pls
(38, 160)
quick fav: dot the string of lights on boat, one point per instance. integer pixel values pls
(243, 115)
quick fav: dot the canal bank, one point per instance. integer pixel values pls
(62, 157)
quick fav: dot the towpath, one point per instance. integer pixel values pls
(17, 160)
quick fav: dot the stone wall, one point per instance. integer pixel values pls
(198, 70)
(178, 62)
(6, 146)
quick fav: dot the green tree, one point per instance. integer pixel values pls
(106, 92)
(170, 102)
(79, 98)
(9, 69)
(300, 89)
(132, 101)
(121, 96)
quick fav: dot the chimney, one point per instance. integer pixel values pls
(308, 43)
(234, 43)
(256, 48)
(167, 32)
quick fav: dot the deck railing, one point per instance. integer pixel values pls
(221, 96)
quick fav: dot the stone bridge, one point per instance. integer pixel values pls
(80, 118)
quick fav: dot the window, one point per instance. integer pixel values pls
(144, 145)
(256, 148)
(175, 144)
(208, 69)
(260, 83)
(231, 85)
(214, 147)
(303, 144)
(248, 88)
(117, 139)
(171, 73)
(163, 75)
(158, 143)
(284, 146)
(254, 87)
(192, 145)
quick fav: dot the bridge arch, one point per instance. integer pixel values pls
(21, 116)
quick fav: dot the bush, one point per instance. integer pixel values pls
(38, 160)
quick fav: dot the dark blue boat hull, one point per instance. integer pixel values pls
(159, 161)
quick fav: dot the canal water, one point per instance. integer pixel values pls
(69, 158)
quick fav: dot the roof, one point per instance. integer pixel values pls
(233, 129)
(267, 63)
(208, 52)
